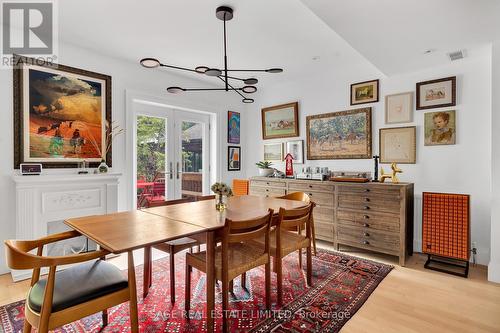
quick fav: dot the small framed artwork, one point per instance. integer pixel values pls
(398, 108)
(296, 149)
(364, 92)
(273, 152)
(233, 127)
(340, 135)
(437, 93)
(281, 121)
(440, 128)
(233, 158)
(398, 144)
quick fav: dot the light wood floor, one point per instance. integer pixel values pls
(410, 299)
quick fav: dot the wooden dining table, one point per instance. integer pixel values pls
(127, 231)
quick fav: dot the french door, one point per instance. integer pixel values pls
(172, 154)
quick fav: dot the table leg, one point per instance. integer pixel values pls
(134, 320)
(210, 280)
(147, 271)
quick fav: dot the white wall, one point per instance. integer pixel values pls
(125, 76)
(462, 168)
(494, 267)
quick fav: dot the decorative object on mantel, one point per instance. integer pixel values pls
(57, 109)
(31, 169)
(440, 128)
(446, 231)
(280, 121)
(340, 135)
(375, 168)
(222, 190)
(83, 167)
(364, 92)
(265, 169)
(112, 131)
(350, 176)
(437, 93)
(316, 173)
(224, 14)
(289, 165)
(394, 178)
(398, 144)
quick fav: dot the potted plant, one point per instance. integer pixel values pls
(265, 168)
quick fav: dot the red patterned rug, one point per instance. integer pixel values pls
(341, 284)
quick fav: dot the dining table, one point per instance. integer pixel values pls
(124, 232)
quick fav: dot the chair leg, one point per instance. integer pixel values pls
(225, 305)
(309, 265)
(313, 232)
(279, 280)
(300, 258)
(104, 318)
(244, 280)
(27, 327)
(172, 276)
(187, 291)
(268, 286)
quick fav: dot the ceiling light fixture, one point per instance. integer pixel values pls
(224, 14)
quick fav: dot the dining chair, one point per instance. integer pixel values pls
(73, 293)
(170, 247)
(283, 241)
(301, 196)
(236, 255)
(240, 187)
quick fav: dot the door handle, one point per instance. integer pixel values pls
(178, 171)
(170, 173)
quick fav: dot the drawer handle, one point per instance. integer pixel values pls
(367, 207)
(267, 183)
(310, 186)
(367, 234)
(366, 217)
(367, 199)
(366, 242)
(310, 194)
(366, 225)
(267, 190)
(367, 190)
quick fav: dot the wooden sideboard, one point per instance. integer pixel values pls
(371, 216)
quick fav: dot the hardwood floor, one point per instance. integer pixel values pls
(410, 299)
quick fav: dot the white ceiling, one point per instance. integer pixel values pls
(390, 34)
(393, 34)
(262, 34)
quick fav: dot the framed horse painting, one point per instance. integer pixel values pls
(61, 114)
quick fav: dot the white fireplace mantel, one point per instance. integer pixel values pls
(43, 199)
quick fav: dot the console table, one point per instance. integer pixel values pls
(372, 216)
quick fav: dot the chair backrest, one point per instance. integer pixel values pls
(297, 196)
(160, 203)
(240, 187)
(246, 230)
(205, 197)
(296, 218)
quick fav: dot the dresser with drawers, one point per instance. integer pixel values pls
(371, 216)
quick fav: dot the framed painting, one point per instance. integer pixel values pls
(233, 127)
(340, 135)
(398, 108)
(233, 158)
(440, 128)
(398, 144)
(273, 152)
(437, 93)
(364, 92)
(296, 149)
(60, 115)
(281, 121)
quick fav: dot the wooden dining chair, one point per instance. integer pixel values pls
(75, 292)
(235, 256)
(301, 196)
(171, 247)
(283, 241)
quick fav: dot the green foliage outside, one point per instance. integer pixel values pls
(150, 146)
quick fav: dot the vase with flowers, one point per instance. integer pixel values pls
(112, 131)
(222, 191)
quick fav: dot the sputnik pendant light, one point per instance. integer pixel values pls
(224, 14)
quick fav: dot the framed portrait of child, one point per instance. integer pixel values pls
(440, 128)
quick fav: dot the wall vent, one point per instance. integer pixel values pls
(457, 55)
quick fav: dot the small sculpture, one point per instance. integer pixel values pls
(375, 173)
(395, 171)
(289, 165)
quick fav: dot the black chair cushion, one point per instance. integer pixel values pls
(79, 284)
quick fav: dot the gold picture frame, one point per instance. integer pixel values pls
(280, 121)
(398, 145)
(365, 92)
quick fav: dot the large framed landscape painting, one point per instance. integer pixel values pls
(60, 115)
(340, 135)
(280, 121)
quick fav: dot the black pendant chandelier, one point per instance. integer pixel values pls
(224, 14)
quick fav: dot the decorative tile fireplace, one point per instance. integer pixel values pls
(44, 202)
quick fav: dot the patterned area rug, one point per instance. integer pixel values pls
(341, 284)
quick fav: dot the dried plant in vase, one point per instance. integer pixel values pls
(221, 190)
(112, 131)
